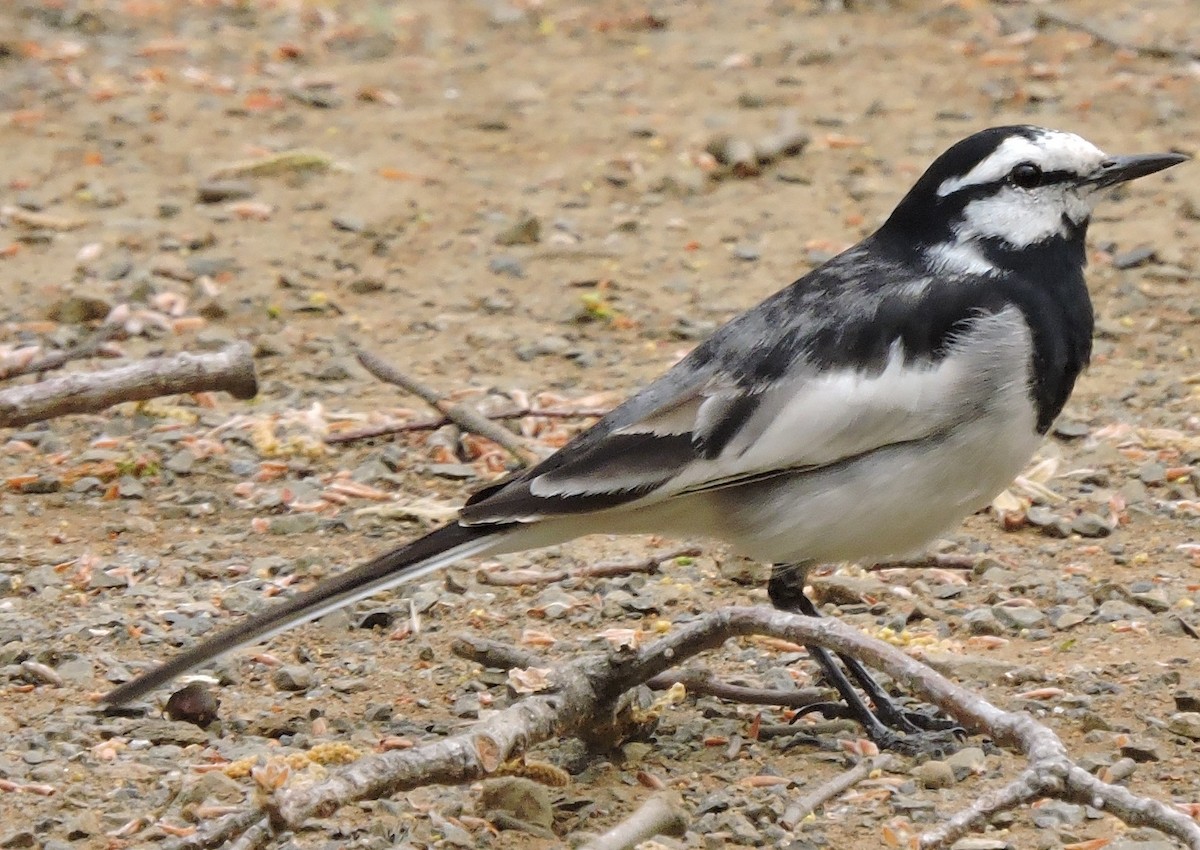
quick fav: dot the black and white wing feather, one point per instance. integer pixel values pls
(840, 364)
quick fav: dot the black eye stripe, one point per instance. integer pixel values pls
(983, 190)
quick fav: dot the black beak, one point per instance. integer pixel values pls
(1119, 169)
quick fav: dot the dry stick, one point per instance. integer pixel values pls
(940, 561)
(701, 682)
(1155, 51)
(86, 348)
(605, 569)
(809, 803)
(586, 690)
(661, 814)
(231, 370)
(463, 415)
(431, 423)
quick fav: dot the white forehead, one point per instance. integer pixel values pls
(1051, 150)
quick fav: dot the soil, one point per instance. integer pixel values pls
(519, 198)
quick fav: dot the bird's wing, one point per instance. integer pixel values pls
(768, 394)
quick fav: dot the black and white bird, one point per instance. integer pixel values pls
(855, 415)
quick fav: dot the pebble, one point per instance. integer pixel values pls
(747, 252)
(216, 191)
(293, 524)
(981, 621)
(973, 842)
(503, 264)
(1152, 473)
(1019, 616)
(1133, 258)
(1091, 525)
(1053, 813)
(523, 799)
(292, 677)
(1141, 751)
(967, 761)
(526, 230)
(1185, 723)
(349, 223)
(181, 462)
(934, 774)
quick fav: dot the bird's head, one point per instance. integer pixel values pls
(1008, 189)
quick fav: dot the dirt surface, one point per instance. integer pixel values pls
(576, 133)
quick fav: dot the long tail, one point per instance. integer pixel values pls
(438, 549)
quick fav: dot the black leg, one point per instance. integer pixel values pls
(786, 590)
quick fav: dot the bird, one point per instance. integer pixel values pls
(854, 415)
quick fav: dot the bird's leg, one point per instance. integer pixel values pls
(786, 590)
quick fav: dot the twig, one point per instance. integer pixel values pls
(661, 814)
(813, 800)
(1155, 51)
(942, 561)
(231, 370)
(462, 415)
(701, 682)
(587, 690)
(432, 423)
(604, 569)
(86, 348)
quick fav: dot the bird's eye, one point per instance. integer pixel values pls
(1026, 175)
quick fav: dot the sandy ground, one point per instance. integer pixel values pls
(433, 131)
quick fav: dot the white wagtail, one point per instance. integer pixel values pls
(854, 415)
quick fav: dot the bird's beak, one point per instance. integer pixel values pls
(1119, 169)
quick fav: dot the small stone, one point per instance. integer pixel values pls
(130, 488)
(980, 843)
(293, 524)
(969, 668)
(1055, 813)
(1141, 751)
(506, 265)
(1135, 257)
(1152, 473)
(349, 223)
(981, 621)
(967, 761)
(292, 677)
(366, 284)
(75, 309)
(165, 732)
(42, 484)
(1064, 619)
(1185, 723)
(1069, 429)
(19, 839)
(934, 774)
(522, 798)
(1115, 610)
(1091, 525)
(181, 462)
(193, 703)
(1187, 701)
(1019, 616)
(526, 230)
(215, 191)
(747, 252)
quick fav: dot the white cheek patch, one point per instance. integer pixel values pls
(1050, 150)
(1022, 218)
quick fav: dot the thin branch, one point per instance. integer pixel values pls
(941, 561)
(432, 423)
(231, 370)
(701, 682)
(587, 691)
(661, 814)
(604, 569)
(1154, 51)
(463, 415)
(810, 802)
(87, 347)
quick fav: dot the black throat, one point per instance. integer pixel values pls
(1045, 280)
